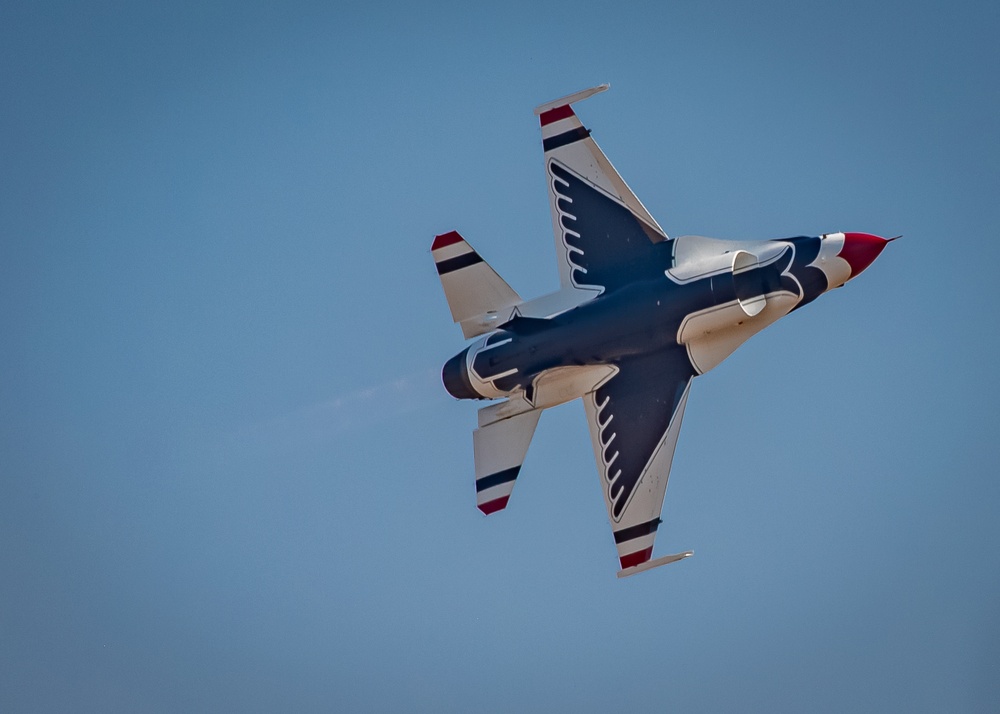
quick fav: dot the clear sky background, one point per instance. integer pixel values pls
(230, 479)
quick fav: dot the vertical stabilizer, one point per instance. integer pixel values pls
(478, 297)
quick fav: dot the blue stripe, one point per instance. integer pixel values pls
(462, 261)
(638, 531)
(554, 142)
(505, 476)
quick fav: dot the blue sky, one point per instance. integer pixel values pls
(230, 478)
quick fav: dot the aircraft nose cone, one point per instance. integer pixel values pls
(860, 250)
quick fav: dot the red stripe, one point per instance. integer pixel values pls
(556, 114)
(636, 558)
(446, 239)
(500, 503)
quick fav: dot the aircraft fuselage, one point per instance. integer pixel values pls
(637, 316)
(648, 316)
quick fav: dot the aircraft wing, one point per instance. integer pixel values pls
(597, 221)
(635, 418)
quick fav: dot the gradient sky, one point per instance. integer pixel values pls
(230, 479)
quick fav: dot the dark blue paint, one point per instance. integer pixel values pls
(567, 137)
(812, 280)
(632, 324)
(616, 249)
(505, 476)
(637, 531)
(638, 404)
(458, 262)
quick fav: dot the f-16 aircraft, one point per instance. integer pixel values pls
(637, 317)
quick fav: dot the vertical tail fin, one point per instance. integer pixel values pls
(478, 297)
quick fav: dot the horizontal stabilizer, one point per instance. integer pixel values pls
(478, 297)
(500, 448)
(654, 563)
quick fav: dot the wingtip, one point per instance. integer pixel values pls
(446, 239)
(493, 506)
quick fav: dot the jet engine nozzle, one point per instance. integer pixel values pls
(860, 250)
(455, 375)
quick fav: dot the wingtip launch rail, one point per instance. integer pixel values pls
(571, 99)
(654, 563)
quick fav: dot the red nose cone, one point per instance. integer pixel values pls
(860, 250)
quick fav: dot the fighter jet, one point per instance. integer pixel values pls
(637, 317)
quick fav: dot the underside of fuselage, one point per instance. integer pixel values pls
(710, 304)
(638, 315)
